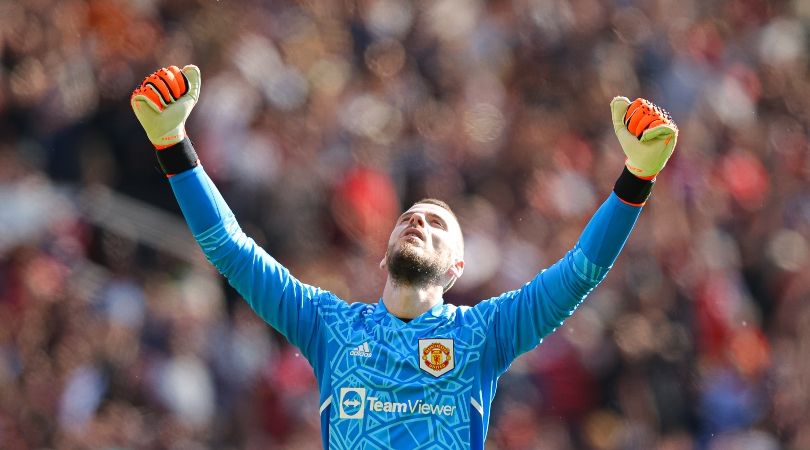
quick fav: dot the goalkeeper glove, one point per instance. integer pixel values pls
(646, 133)
(163, 102)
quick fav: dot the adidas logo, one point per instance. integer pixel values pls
(362, 350)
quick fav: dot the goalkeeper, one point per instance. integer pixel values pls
(408, 371)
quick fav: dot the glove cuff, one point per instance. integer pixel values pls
(169, 139)
(638, 172)
(633, 190)
(177, 158)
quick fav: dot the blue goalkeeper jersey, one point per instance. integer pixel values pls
(389, 384)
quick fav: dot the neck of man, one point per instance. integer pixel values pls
(409, 302)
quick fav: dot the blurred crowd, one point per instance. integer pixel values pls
(319, 121)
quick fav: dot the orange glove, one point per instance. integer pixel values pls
(646, 133)
(163, 102)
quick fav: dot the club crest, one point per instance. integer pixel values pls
(436, 356)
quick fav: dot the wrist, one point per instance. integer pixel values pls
(169, 139)
(177, 158)
(633, 189)
(638, 172)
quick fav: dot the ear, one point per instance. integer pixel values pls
(453, 273)
(456, 269)
(383, 263)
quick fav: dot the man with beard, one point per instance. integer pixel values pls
(424, 258)
(408, 371)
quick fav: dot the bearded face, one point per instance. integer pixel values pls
(410, 267)
(425, 248)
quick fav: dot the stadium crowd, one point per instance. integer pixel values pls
(319, 120)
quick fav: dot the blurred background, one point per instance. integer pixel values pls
(319, 121)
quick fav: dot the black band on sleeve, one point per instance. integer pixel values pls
(177, 158)
(632, 189)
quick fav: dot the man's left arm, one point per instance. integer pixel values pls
(523, 317)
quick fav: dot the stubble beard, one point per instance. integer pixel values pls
(408, 268)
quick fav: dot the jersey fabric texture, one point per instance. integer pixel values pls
(384, 383)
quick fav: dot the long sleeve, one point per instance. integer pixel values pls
(280, 299)
(524, 316)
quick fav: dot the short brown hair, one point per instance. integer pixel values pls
(437, 202)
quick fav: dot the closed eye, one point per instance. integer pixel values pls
(436, 222)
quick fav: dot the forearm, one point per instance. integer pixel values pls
(216, 230)
(200, 201)
(605, 235)
(542, 305)
(600, 243)
(275, 295)
(523, 317)
(162, 103)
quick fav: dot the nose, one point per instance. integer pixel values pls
(417, 219)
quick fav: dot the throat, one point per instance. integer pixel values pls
(409, 303)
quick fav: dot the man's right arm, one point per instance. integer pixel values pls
(162, 103)
(284, 302)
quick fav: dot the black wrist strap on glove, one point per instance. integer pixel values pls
(177, 158)
(632, 189)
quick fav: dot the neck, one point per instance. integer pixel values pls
(408, 302)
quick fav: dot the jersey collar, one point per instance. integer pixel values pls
(433, 315)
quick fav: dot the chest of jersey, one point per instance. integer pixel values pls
(404, 383)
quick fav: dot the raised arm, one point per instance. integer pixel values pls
(162, 104)
(524, 316)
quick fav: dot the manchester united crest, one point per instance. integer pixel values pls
(436, 356)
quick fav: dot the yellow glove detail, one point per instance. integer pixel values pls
(163, 102)
(646, 133)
